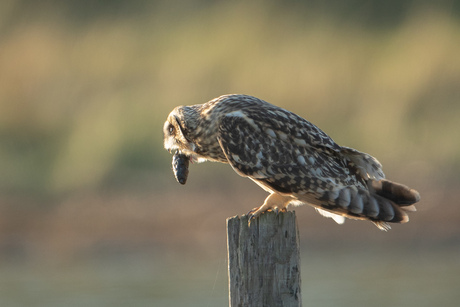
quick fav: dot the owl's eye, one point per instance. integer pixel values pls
(171, 129)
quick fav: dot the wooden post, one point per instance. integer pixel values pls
(264, 260)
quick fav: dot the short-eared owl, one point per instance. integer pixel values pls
(289, 157)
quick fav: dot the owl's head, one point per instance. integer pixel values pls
(177, 130)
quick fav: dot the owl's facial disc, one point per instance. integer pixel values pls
(169, 131)
(174, 131)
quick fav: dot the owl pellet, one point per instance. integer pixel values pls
(180, 164)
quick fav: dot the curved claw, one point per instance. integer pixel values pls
(253, 214)
(250, 212)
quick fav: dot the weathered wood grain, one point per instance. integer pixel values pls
(264, 260)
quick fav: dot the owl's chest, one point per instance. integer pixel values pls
(210, 149)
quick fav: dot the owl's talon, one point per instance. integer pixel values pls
(252, 215)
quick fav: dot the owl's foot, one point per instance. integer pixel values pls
(274, 202)
(277, 210)
(255, 213)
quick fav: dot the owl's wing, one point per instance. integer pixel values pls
(293, 159)
(289, 155)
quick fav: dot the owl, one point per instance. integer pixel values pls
(289, 157)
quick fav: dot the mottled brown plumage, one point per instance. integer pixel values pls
(290, 158)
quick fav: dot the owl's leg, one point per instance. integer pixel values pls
(275, 202)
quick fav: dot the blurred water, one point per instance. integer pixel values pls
(330, 277)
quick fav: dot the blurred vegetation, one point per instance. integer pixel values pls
(85, 87)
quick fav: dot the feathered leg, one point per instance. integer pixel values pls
(275, 202)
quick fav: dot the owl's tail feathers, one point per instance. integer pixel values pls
(393, 201)
(396, 192)
(384, 202)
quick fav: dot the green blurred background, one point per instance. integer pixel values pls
(90, 213)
